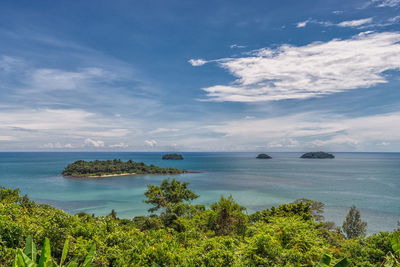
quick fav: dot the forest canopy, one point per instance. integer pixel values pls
(179, 233)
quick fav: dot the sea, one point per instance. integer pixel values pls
(370, 181)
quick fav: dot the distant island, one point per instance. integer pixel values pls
(263, 156)
(173, 156)
(116, 167)
(317, 155)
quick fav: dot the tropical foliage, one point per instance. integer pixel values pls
(178, 233)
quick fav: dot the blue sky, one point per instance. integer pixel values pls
(200, 75)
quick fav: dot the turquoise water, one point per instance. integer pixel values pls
(371, 181)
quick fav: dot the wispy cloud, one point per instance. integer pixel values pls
(307, 130)
(354, 23)
(299, 72)
(120, 145)
(6, 138)
(386, 3)
(237, 46)
(348, 23)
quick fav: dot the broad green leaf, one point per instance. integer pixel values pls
(15, 262)
(64, 252)
(325, 261)
(396, 242)
(27, 261)
(89, 257)
(342, 263)
(20, 260)
(30, 249)
(73, 262)
(46, 253)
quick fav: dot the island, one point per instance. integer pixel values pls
(173, 156)
(116, 167)
(263, 156)
(317, 155)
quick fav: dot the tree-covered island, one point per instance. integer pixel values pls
(317, 155)
(116, 167)
(173, 156)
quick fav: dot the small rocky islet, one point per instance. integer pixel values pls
(263, 156)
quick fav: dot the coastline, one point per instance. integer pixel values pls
(119, 174)
(101, 176)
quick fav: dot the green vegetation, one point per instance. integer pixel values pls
(317, 155)
(183, 234)
(114, 167)
(28, 256)
(353, 226)
(172, 156)
(263, 156)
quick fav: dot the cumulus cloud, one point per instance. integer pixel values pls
(151, 142)
(94, 143)
(317, 69)
(197, 62)
(354, 23)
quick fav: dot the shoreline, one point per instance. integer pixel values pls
(122, 174)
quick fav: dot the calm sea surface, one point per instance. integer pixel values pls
(371, 181)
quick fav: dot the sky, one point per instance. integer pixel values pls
(167, 75)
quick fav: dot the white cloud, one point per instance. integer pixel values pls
(197, 62)
(387, 3)
(6, 138)
(46, 119)
(94, 143)
(354, 23)
(151, 142)
(57, 145)
(55, 79)
(8, 63)
(237, 46)
(120, 145)
(299, 72)
(163, 130)
(394, 19)
(107, 132)
(349, 23)
(313, 130)
(302, 24)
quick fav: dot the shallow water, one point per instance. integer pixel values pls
(371, 181)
